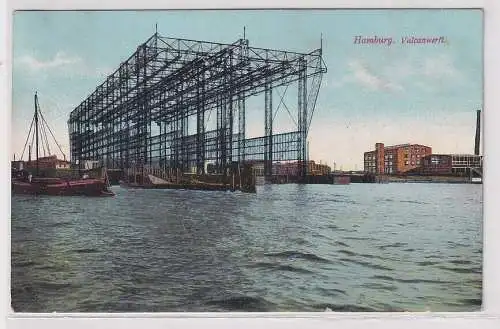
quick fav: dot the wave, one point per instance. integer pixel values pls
(347, 252)
(393, 245)
(340, 243)
(457, 244)
(458, 269)
(413, 201)
(53, 285)
(298, 255)
(24, 264)
(59, 224)
(361, 238)
(461, 262)
(281, 267)
(379, 286)
(330, 291)
(390, 278)
(343, 308)
(367, 264)
(385, 200)
(243, 303)
(85, 250)
(427, 263)
(471, 301)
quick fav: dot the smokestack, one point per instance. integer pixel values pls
(29, 153)
(478, 133)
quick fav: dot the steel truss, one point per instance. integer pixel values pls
(139, 115)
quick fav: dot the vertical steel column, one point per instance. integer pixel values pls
(145, 110)
(221, 134)
(184, 134)
(268, 152)
(200, 126)
(241, 128)
(302, 119)
(177, 136)
(229, 117)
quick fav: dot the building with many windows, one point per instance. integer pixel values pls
(446, 164)
(395, 159)
(436, 164)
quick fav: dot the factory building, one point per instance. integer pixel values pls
(450, 164)
(395, 159)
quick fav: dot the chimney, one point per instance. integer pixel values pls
(478, 133)
(380, 159)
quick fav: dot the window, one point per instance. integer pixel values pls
(413, 163)
(406, 162)
(418, 162)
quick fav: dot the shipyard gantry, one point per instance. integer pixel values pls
(139, 115)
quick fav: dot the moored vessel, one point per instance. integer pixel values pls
(36, 178)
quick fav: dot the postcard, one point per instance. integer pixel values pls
(247, 161)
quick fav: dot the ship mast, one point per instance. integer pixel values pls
(36, 131)
(39, 134)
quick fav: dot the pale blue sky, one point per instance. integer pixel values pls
(424, 94)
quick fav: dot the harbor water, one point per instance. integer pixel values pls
(358, 247)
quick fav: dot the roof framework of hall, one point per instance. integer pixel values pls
(172, 76)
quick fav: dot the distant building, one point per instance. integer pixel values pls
(462, 163)
(445, 164)
(396, 159)
(292, 168)
(436, 164)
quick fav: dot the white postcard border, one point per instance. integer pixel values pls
(490, 317)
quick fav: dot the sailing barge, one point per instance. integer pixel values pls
(24, 182)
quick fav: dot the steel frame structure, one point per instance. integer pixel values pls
(139, 115)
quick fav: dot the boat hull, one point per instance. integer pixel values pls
(86, 187)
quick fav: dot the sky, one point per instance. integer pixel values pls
(395, 94)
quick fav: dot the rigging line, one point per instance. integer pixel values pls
(43, 138)
(42, 141)
(28, 137)
(32, 141)
(43, 134)
(55, 140)
(44, 129)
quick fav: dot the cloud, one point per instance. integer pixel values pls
(362, 74)
(60, 59)
(61, 65)
(439, 67)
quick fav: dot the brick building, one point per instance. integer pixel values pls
(395, 159)
(292, 168)
(436, 164)
(445, 164)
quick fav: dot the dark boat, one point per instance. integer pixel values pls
(24, 182)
